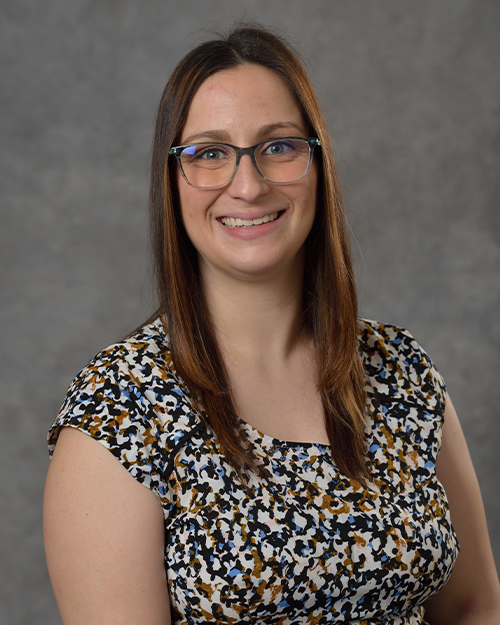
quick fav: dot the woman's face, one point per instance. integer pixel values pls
(243, 106)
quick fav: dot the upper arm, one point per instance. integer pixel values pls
(473, 584)
(104, 538)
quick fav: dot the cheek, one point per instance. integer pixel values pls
(182, 192)
(308, 198)
(309, 204)
(194, 209)
(187, 201)
(313, 192)
(188, 218)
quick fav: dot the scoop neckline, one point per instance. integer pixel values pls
(270, 441)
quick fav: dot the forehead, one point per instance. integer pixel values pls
(241, 100)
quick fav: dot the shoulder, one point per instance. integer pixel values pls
(397, 366)
(142, 357)
(375, 336)
(130, 398)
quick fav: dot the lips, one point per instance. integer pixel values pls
(231, 222)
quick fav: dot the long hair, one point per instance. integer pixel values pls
(330, 301)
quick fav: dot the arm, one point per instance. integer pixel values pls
(104, 538)
(472, 594)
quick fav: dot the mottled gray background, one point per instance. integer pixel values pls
(411, 91)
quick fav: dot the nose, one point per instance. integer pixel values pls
(247, 183)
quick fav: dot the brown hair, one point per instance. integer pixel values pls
(330, 301)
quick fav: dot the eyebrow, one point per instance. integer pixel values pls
(223, 135)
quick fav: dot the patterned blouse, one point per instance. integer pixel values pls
(307, 545)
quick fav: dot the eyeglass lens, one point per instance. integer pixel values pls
(213, 164)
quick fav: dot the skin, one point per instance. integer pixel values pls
(244, 106)
(104, 566)
(472, 595)
(252, 278)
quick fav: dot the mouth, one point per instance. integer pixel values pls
(231, 222)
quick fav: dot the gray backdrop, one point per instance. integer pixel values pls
(411, 92)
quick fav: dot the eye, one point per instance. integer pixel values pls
(210, 155)
(212, 152)
(277, 148)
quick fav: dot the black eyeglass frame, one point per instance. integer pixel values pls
(177, 151)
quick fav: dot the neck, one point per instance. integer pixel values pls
(256, 319)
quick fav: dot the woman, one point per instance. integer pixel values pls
(289, 451)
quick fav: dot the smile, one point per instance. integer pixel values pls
(231, 222)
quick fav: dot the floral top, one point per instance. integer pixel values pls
(308, 545)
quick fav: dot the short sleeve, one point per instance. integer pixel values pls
(399, 367)
(105, 402)
(130, 399)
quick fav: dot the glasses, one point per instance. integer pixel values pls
(212, 165)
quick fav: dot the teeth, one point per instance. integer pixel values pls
(231, 222)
